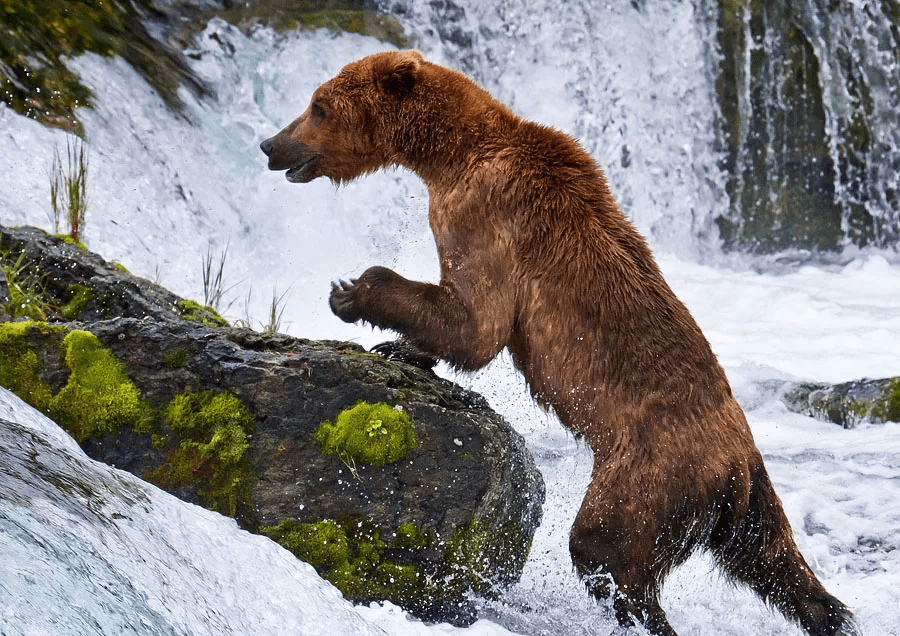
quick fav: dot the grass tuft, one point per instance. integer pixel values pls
(68, 189)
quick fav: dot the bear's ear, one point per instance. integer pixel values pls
(397, 75)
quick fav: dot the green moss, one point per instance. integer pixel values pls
(340, 15)
(80, 297)
(24, 303)
(120, 267)
(410, 537)
(887, 410)
(213, 429)
(483, 554)
(98, 396)
(195, 312)
(68, 238)
(464, 554)
(323, 545)
(28, 296)
(385, 28)
(210, 415)
(20, 365)
(857, 411)
(352, 556)
(372, 433)
(177, 359)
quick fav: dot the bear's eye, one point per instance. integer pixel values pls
(317, 111)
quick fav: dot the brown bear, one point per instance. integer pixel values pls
(536, 257)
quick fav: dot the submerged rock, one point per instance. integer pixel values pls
(228, 418)
(848, 403)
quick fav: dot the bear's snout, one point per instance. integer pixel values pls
(286, 154)
(283, 152)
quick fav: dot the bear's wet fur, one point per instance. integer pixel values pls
(537, 258)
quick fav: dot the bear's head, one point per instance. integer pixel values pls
(344, 133)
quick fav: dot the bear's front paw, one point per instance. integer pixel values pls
(344, 300)
(362, 298)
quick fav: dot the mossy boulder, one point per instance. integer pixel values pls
(777, 157)
(39, 36)
(49, 278)
(350, 16)
(393, 483)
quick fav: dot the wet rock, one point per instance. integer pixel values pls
(61, 270)
(40, 37)
(849, 403)
(803, 89)
(234, 420)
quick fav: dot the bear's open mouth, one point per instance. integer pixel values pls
(303, 172)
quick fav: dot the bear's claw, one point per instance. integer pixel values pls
(342, 301)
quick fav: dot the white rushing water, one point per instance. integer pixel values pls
(164, 190)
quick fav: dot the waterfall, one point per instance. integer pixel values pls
(753, 126)
(858, 44)
(693, 111)
(87, 550)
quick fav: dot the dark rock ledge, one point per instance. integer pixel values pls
(226, 418)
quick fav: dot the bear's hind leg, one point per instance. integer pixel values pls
(611, 561)
(758, 549)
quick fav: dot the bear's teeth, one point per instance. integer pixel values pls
(302, 172)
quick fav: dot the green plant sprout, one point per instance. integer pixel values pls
(276, 309)
(68, 188)
(213, 284)
(27, 297)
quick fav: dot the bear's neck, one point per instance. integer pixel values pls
(441, 133)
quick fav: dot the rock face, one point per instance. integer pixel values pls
(848, 403)
(227, 418)
(808, 94)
